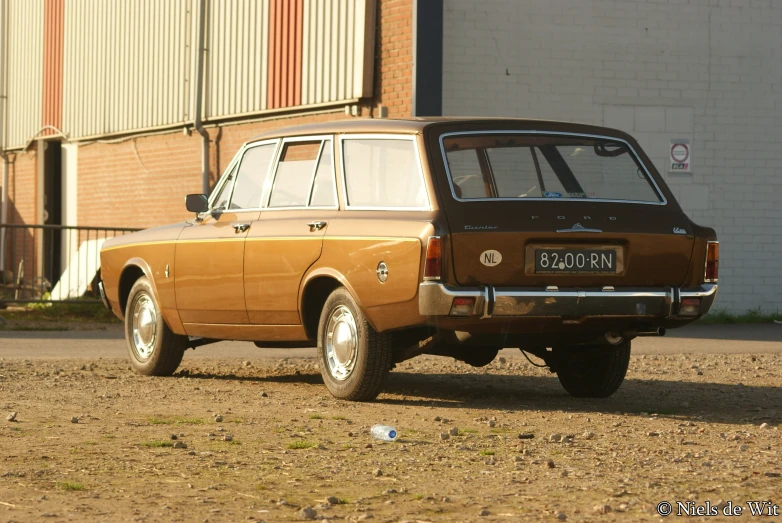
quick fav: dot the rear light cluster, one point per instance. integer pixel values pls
(433, 269)
(462, 306)
(712, 262)
(690, 307)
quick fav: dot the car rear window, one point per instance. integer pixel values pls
(383, 173)
(535, 166)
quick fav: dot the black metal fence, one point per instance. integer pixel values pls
(47, 263)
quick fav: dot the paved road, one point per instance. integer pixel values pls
(694, 339)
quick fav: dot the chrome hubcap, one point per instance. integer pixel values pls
(341, 343)
(144, 327)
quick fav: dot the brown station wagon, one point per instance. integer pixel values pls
(380, 240)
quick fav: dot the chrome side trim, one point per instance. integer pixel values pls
(650, 178)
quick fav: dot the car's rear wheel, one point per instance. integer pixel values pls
(154, 350)
(593, 372)
(354, 359)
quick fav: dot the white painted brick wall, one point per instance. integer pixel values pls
(706, 70)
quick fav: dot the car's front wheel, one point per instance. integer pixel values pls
(354, 359)
(154, 350)
(593, 372)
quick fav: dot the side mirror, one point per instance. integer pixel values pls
(196, 203)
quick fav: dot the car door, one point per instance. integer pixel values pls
(209, 260)
(288, 237)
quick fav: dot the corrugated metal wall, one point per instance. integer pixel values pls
(335, 48)
(24, 27)
(131, 65)
(236, 69)
(128, 65)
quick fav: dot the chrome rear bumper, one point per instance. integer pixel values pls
(435, 299)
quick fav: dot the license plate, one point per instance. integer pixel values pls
(575, 261)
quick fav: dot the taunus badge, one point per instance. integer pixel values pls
(677, 230)
(491, 258)
(382, 272)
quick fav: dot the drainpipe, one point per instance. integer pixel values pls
(4, 211)
(199, 99)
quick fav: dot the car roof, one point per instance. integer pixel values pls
(416, 125)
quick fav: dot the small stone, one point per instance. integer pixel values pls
(653, 433)
(588, 435)
(518, 459)
(484, 513)
(550, 464)
(438, 418)
(332, 500)
(601, 509)
(368, 446)
(502, 360)
(744, 448)
(555, 438)
(180, 445)
(623, 507)
(173, 436)
(228, 437)
(218, 418)
(11, 416)
(699, 373)
(764, 425)
(191, 452)
(264, 395)
(560, 516)
(247, 364)
(378, 472)
(526, 435)
(492, 423)
(444, 436)
(75, 419)
(454, 431)
(446, 499)
(181, 434)
(308, 513)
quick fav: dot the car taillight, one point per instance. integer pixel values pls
(434, 258)
(462, 306)
(712, 262)
(690, 307)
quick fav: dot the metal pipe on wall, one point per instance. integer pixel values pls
(3, 108)
(4, 211)
(200, 64)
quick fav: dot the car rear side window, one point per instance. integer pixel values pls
(383, 173)
(253, 170)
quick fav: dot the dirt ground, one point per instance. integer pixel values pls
(93, 442)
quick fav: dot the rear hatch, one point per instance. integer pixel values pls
(534, 210)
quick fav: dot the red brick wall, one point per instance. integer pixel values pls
(394, 57)
(22, 174)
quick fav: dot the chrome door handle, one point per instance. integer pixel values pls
(317, 225)
(241, 227)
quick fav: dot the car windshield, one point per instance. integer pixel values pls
(535, 166)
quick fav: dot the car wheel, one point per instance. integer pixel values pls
(595, 375)
(354, 359)
(477, 356)
(154, 350)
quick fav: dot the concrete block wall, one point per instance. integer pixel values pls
(704, 70)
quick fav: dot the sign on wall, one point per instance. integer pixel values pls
(680, 156)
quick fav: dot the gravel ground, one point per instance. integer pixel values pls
(263, 440)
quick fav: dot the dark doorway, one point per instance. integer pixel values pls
(52, 210)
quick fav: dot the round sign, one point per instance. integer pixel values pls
(491, 258)
(680, 152)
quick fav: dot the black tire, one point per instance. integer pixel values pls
(354, 366)
(596, 375)
(477, 356)
(153, 349)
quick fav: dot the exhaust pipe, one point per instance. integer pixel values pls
(659, 331)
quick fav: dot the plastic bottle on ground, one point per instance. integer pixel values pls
(383, 432)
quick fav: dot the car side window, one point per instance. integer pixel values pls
(251, 176)
(294, 174)
(383, 173)
(323, 194)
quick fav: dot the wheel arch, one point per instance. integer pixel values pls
(134, 269)
(315, 290)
